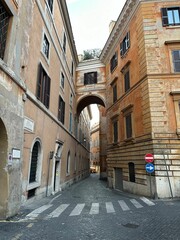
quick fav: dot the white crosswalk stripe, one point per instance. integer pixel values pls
(34, 214)
(109, 207)
(123, 205)
(77, 210)
(94, 208)
(136, 203)
(57, 212)
(147, 201)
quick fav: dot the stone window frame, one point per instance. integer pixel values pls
(176, 99)
(46, 47)
(37, 183)
(68, 163)
(173, 45)
(115, 119)
(126, 112)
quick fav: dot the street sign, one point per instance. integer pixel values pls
(149, 157)
(149, 167)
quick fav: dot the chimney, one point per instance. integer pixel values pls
(111, 25)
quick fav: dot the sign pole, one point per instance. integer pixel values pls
(150, 186)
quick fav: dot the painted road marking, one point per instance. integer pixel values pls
(109, 207)
(123, 205)
(147, 201)
(34, 214)
(77, 210)
(57, 212)
(94, 208)
(136, 203)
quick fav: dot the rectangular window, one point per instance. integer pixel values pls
(4, 22)
(43, 86)
(114, 61)
(62, 80)
(90, 78)
(125, 44)
(170, 16)
(64, 43)
(115, 131)
(50, 3)
(128, 121)
(126, 81)
(114, 93)
(46, 46)
(176, 60)
(61, 110)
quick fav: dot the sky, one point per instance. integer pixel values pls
(90, 21)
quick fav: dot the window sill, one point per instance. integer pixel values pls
(130, 139)
(33, 185)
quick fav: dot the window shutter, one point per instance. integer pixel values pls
(176, 60)
(121, 49)
(164, 16)
(63, 111)
(47, 91)
(128, 40)
(39, 81)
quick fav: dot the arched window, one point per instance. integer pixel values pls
(34, 162)
(131, 172)
(68, 163)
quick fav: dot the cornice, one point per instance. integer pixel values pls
(121, 24)
(69, 32)
(88, 64)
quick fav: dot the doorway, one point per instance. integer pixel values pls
(3, 173)
(57, 168)
(118, 178)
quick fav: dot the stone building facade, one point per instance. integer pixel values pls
(44, 147)
(95, 148)
(142, 58)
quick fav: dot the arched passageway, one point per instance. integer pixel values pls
(88, 100)
(3, 173)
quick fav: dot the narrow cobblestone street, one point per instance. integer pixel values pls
(90, 210)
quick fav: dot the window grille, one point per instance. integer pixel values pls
(34, 163)
(90, 78)
(4, 21)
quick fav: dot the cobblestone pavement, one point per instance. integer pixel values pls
(89, 210)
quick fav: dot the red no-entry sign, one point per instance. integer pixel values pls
(149, 157)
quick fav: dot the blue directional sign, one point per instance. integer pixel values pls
(149, 167)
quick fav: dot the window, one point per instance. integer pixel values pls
(126, 81)
(46, 46)
(114, 61)
(34, 162)
(64, 43)
(170, 16)
(68, 163)
(62, 80)
(125, 44)
(114, 93)
(131, 172)
(50, 3)
(128, 121)
(4, 22)
(176, 60)
(115, 131)
(61, 110)
(90, 78)
(71, 99)
(70, 122)
(43, 86)
(72, 68)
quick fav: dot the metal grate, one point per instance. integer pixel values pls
(34, 162)
(4, 21)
